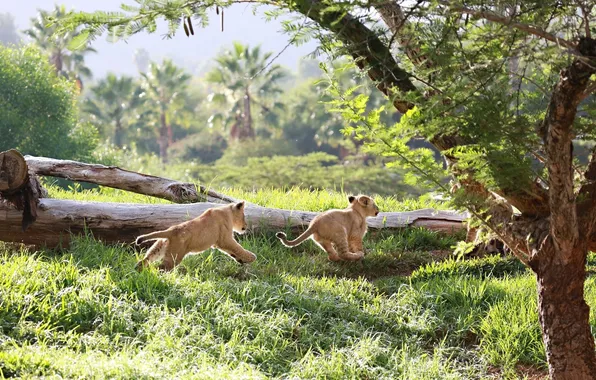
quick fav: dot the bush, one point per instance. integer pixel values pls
(238, 153)
(206, 146)
(315, 170)
(38, 108)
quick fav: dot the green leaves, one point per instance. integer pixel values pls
(366, 123)
(79, 41)
(38, 108)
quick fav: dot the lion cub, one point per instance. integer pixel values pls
(214, 228)
(339, 232)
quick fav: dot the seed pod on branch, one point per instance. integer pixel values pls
(190, 26)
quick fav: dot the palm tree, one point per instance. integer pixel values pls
(114, 104)
(67, 63)
(164, 90)
(243, 79)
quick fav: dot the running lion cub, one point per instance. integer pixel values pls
(214, 228)
(339, 232)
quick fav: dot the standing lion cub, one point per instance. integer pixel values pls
(214, 228)
(339, 232)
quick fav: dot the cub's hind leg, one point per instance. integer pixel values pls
(327, 247)
(344, 251)
(235, 250)
(157, 251)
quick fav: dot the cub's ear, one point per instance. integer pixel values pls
(239, 205)
(364, 201)
(351, 198)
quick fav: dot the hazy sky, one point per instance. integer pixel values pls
(193, 53)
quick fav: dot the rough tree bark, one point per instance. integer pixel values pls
(112, 176)
(13, 171)
(560, 264)
(18, 187)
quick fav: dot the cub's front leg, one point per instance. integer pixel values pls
(232, 248)
(356, 246)
(344, 251)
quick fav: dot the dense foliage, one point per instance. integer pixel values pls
(38, 108)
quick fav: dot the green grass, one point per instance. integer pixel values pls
(292, 199)
(398, 314)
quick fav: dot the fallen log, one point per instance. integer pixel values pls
(123, 222)
(13, 171)
(113, 176)
(18, 187)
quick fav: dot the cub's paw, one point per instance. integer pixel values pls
(139, 266)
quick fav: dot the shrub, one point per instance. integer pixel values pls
(206, 146)
(314, 170)
(38, 108)
(238, 153)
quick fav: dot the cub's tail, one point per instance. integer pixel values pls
(152, 236)
(292, 243)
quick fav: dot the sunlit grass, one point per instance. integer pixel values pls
(291, 314)
(292, 199)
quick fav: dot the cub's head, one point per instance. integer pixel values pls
(365, 204)
(238, 220)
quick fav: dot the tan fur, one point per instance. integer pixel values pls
(213, 229)
(339, 232)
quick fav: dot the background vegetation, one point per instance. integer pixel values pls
(284, 139)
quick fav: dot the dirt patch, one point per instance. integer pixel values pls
(523, 371)
(374, 268)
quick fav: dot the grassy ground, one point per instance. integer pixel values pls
(399, 314)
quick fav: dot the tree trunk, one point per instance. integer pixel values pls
(564, 315)
(163, 138)
(118, 131)
(248, 130)
(123, 222)
(57, 60)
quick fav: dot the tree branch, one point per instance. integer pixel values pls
(509, 22)
(590, 88)
(369, 52)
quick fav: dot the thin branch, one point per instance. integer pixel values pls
(509, 22)
(589, 90)
(586, 18)
(290, 42)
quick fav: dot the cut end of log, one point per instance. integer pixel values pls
(13, 171)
